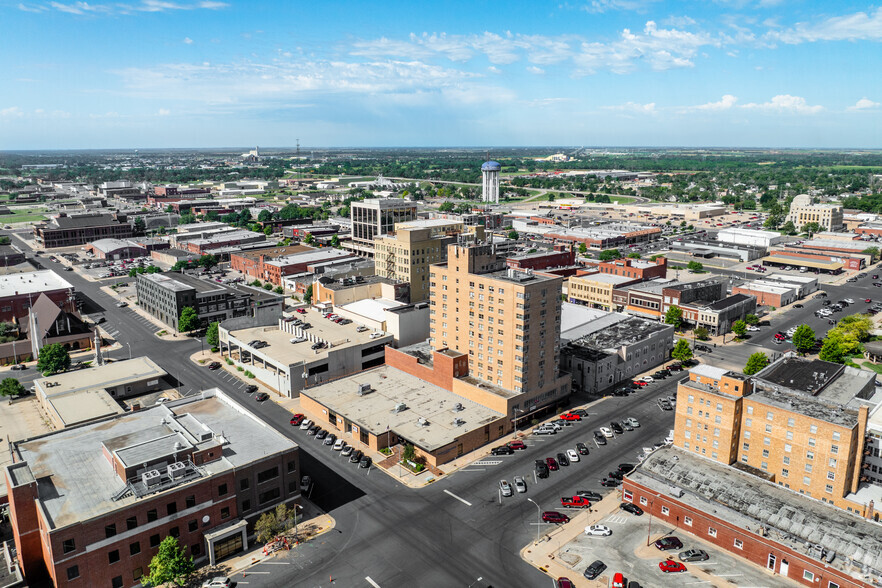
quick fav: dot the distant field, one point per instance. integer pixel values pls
(22, 216)
(622, 199)
(873, 168)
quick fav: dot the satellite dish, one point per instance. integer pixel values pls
(205, 519)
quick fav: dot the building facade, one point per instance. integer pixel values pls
(596, 290)
(78, 229)
(803, 212)
(377, 216)
(635, 268)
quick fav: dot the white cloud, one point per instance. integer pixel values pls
(864, 104)
(785, 103)
(535, 70)
(679, 21)
(11, 111)
(598, 6)
(858, 26)
(494, 70)
(188, 41)
(633, 107)
(26, 8)
(86, 8)
(164, 112)
(725, 103)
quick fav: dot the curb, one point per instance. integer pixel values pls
(256, 559)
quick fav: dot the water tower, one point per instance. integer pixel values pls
(490, 174)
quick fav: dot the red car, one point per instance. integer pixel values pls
(868, 300)
(552, 516)
(552, 464)
(570, 417)
(301, 310)
(670, 565)
(565, 583)
(517, 444)
(639, 383)
(575, 502)
(297, 419)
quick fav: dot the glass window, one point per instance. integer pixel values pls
(665, 510)
(73, 572)
(190, 501)
(222, 490)
(135, 548)
(154, 540)
(807, 575)
(738, 544)
(69, 545)
(711, 531)
(113, 556)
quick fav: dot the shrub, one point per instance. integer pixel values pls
(239, 368)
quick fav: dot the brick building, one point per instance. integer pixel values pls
(78, 229)
(250, 263)
(201, 469)
(635, 268)
(653, 297)
(19, 292)
(561, 256)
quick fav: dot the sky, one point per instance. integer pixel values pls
(229, 73)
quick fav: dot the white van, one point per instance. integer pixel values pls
(803, 269)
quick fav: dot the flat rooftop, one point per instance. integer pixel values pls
(606, 279)
(325, 254)
(796, 260)
(622, 333)
(836, 245)
(116, 373)
(798, 522)
(373, 309)
(375, 411)
(76, 482)
(760, 286)
(32, 283)
(82, 406)
(654, 286)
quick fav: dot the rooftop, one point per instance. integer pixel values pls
(107, 245)
(375, 411)
(356, 281)
(654, 286)
(727, 302)
(32, 283)
(82, 221)
(76, 482)
(750, 232)
(601, 278)
(836, 244)
(273, 252)
(373, 309)
(761, 286)
(116, 373)
(621, 333)
(803, 524)
(800, 374)
(306, 257)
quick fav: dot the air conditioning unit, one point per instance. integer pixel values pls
(422, 422)
(457, 407)
(363, 389)
(151, 478)
(458, 422)
(399, 407)
(177, 470)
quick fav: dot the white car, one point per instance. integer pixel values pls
(606, 431)
(572, 455)
(633, 422)
(338, 446)
(647, 379)
(599, 530)
(752, 329)
(519, 484)
(305, 424)
(219, 582)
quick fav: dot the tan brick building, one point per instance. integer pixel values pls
(798, 423)
(596, 290)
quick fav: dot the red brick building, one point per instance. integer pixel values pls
(19, 292)
(635, 268)
(561, 256)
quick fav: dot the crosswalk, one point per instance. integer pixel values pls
(616, 520)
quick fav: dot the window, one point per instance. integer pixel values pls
(811, 442)
(739, 544)
(113, 556)
(834, 449)
(269, 495)
(174, 532)
(749, 411)
(770, 416)
(190, 501)
(746, 447)
(789, 435)
(807, 575)
(748, 422)
(791, 422)
(747, 434)
(135, 548)
(628, 495)
(110, 530)
(244, 484)
(808, 467)
(152, 515)
(117, 582)
(768, 428)
(786, 460)
(785, 473)
(73, 572)
(292, 465)
(192, 526)
(788, 447)
(171, 508)
(225, 512)
(267, 475)
(222, 490)
(767, 441)
(711, 531)
(665, 510)
(765, 453)
(131, 523)
(246, 505)
(829, 488)
(836, 435)
(643, 500)
(154, 540)
(813, 429)
(806, 480)
(195, 549)
(687, 521)
(719, 407)
(136, 574)
(831, 476)
(69, 545)
(832, 462)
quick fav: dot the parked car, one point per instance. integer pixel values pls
(572, 455)
(606, 432)
(610, 482)
(263, 396)
(502, 450)
(666, 543)
(519, 484)
(356, 456)
(305, 424)
(590, 495)
(251, 389)
(505, 488)
(215, 365)
(693, 555)
(541, 469)
(631, 508)
(552, 516)
(331, 439)
(599, 438)
(365, 462)
(297, 419)
(582, 448)
(594, 570)
(347, 450)
(339, 444)
(598, 530)
(616, 427)
(217, 582)
(670, 565)
(564, 583)
(321, 434)
(633, 422)
(552, 464)
(570, 417)
(562, 459)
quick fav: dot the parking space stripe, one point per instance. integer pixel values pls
(371, 582)
(463, 500)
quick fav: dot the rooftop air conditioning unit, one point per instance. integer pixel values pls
(399, 407)
(363, 389)
(457, 407)
(458, 422)
(150, 478)
(422, 422)
(177, 470)
(676, 492)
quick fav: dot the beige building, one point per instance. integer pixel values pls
(799, 423)
(337, 292)
(596, 290)
(507, 321)
(802, 212)
(376, 216)
(407, 254)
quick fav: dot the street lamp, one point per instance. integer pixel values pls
(202, 346)
(130, 349)
(296, 506)
(538, 518)
(476, 581)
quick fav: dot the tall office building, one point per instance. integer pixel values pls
(506, 320)
(802, 212)
(490, 181)
(377, 216)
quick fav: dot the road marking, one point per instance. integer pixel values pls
(276, 563)
(473, 470)
(487, 462)
(371, 582)
(463, 500)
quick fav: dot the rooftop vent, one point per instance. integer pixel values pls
(178, 445)
(457, 407)
(177, 470)
(422, 422)
(399, 407)
(458, 422)
(676, 492)
(150, 478)
(363, 389)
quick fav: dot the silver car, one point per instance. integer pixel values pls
(505, 487)
(519, 484)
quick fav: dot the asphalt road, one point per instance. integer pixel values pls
(447, 534)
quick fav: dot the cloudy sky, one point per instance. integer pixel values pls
(208, 73)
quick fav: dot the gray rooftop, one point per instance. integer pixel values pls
(793, 520)
(622, 333)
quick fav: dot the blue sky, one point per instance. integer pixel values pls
(210, 73)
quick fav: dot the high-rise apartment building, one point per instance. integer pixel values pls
(506, 320)
(799, 423)
(377, 216)
(406, 254)
(803, 212)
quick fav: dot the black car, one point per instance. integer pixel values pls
(250, 389)
(626, 467)
(599, 438)
(365, 462)
(502, 450)
(616, 427)
(631, 508)
(660, 375)
(666, 543)
(616, 475)
(595, 569)
(356, 456)
(262, 397)
(312, 430)
(321, 434)
(330, 439)
(582, 448)
(590, 495)
(622, 392)
(562, 459)
(580, 411)
(610, 482)
(541, 469)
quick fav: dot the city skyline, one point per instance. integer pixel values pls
(156, 73)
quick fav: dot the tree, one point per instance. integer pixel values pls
(804, 338)
(513, 235)
(189, 320)
(873, 252)
(831, 350)
(53, 358)
(701, 333)
(265, 216)
(751, 319)
(756, 362)
(279, 290)
(739, 327)
(170, 564)
(309, 240)
(811, 228)
(307, 297)
(139, 226)
(446, 206)
(856, 325)
(634, 255)
(11, 387)
(212, 337)
(583, 249)
(267, 230)
(788, 228)
(682, 351)
(694, 266)
(674, 316)
(335, 242)
(609, 255)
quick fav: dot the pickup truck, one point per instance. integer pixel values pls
(575, 502)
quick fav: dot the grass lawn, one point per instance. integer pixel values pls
(22, 216)
(622, 199)
(872, 366)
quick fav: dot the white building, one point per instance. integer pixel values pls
(750, 237)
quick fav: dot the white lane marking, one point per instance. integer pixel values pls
(463, 500)
(276, 563)
(371, 582)
(486, 462)
(473, 470)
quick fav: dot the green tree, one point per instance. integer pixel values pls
(873, 252)
(804, 338)
(701, 333)
(169, 565)
(674, 316)
(11, 387)
(634, 255)
(212, 337)
(409, 452)
(189, 320)
(265, 216)
(857, 325)
(583, 249)
(335, 242)
(309, 240)
(682, 351)
(739, 328)
(811, 228)
(187, 218)
(751, 319)
(513, 235)
(279, 290)
(756, 362)
(446, 206)
(694, 266)
(53, 358)
(268, 286)
(139, 226)
(267, 230)
(831, 350)
(609, 255)
(788, 228)
(307, 297)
